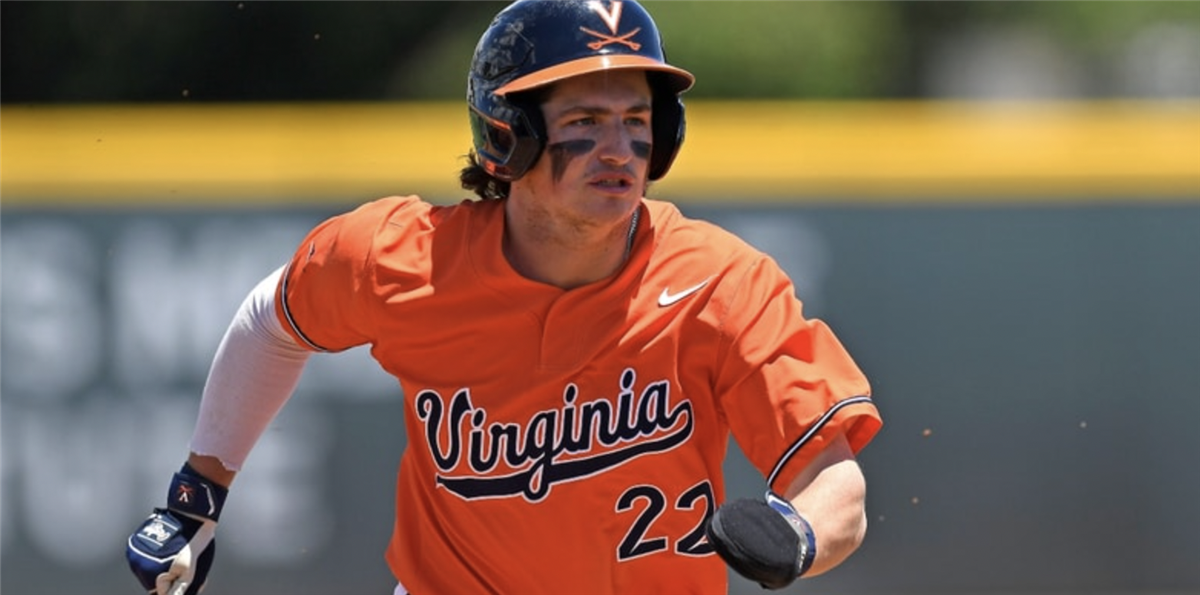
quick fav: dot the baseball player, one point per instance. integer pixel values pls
(572, 355)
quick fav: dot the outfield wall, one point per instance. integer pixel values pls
(1033, 344)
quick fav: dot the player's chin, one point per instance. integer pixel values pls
(606, 210)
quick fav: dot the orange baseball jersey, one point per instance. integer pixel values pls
(572, 439)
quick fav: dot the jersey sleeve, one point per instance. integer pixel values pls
(786, 384)
(324, 298)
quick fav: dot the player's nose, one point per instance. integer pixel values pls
(617, 145)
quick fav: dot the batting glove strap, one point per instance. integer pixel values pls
(808, 541)
(192, 495)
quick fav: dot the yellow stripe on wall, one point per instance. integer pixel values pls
(228, 153)
(763, 151)
(944, 151)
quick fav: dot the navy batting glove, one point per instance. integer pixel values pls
(766, 541)
(172, 550)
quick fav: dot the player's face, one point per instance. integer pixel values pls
(598, 145)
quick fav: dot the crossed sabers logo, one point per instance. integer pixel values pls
(611, 17)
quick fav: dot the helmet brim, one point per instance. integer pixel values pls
(679, 79)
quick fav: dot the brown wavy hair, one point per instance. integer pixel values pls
(475, 178)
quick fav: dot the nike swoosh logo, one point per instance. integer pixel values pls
(666, 298)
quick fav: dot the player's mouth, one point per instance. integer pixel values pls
(612, 182)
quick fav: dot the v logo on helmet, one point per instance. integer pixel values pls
(611, 17)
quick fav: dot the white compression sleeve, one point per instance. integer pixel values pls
(255, 371)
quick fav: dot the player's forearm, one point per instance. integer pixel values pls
(832, 498)
(254, 372)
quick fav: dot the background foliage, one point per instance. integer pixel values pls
(329, 51)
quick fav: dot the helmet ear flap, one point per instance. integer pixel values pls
(509, 146)
(667, 125)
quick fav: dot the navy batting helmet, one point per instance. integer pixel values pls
(533, 43)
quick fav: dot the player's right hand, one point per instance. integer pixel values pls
(766, 540)
(171, 552)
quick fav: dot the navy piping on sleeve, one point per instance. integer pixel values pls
(288, 313)
(816, 427)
